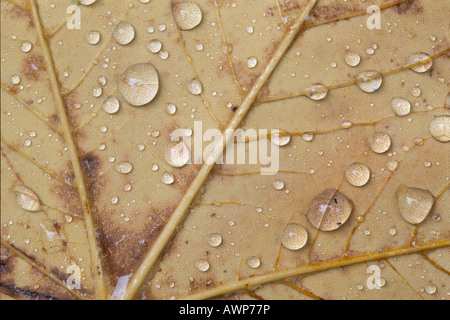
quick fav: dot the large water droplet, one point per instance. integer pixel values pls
(214, 240)
(280, 139)
(111, 105)
(440, 128)
(352, 58)
(123, 33)
(369, 81)
(139, 84)
(414, 203)
(26, 46)
(177, 155)
(294, 236)
(124, 167)
(357, 174)
(154, 46)
(430, 288)
(329, 210)
(423, 61)
(401, 107)
(380, 142)
(187, 15)
(27, 198)
(202, 265)
(87, 2)
(317, 91)
(195, 87)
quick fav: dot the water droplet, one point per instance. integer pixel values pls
(414, 203)
(101, 80)
(199, 46)
(401, 107)
(307, 137)
(392, 231)
(124, 167)
(369, 81)
(423, 60)
(26, 46)
(27, 143)
(15, 79)
(124, 33)
(380, 142)
(416, 92)
(430, 288)
(254, 262)
(249, 29)
(97, 91)
(114, 199)
(202, 265)
(139, 84)
(87, 2)
(280, 139)
(154, 46)
(392, 165)
(167, 178)
(317, 91)
(171, 108)
(195, 87)
(329, 210)
(294, 236)
(93, 37)
(187, 15)
(352, 58)
(278, 184)
(27, 199)
(214, 240)
(252, 62)
(111, 105)
(357, 174)
(440, 128)
(177, 155)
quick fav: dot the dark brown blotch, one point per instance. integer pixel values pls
(33, 67)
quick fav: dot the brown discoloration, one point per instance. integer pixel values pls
(200, 284)
(17, 13)
(33, 67)
(290, 5)
(71, 103)
(332, 11)
(410, 6)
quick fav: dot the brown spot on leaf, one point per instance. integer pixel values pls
(18, 13)
(412, 6)
(33, 67)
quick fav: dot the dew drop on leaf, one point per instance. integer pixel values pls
(401, 107)
(307, 137)
(380, 142)
(440, 128)
(414, 203)
(278, 184)
(139, 84)
(195, 87)
(423, 61)
(111, 105)
(280, 139)
(430, 288)
(167, 178)
(294, 236)
(27, 199)
(154, 46)
(93, 37)
(15, 79)
(352, 58)
(252, 62)
(124, 167)
(392, 165)
(329, 210)
(177, 155)
(369, 81)
(187, 15)
(357, 174)
(202, 265)
(124, 33)
(171, 108)
(214, 240)
(87, 2)
(317, 91)
(254, 262)
(26, 46)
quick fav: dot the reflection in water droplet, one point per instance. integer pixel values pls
(195, 87)
(27, 198)
(187, 15)
(111, 105)
(167, 178)
(177, 155)
(401, 107)
(123, 33)
(440, 128)
(423, 60)
(414, 203)
(317, 91)
(369, 81)
(380, 142)
(139, 84)
(93, 37)
(202, 265)
(254, 262)
(214, 239)
(154, 46)
(329, 210)
(357, 174)
(352, 58)
(294, 236)
(123, 167)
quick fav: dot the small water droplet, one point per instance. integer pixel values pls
(27, 199)
(97, 91)
(114, 199)
(278, 184)
(423, 60)
(93, 37)
(401, 107)
(392, 231)
(26, 46)
(101, 80)
(187, 15)
(124, 167)
(253, 262)
(369, 81)
(380, 142)
(415, 91)
(167, 178)
(195, 87)
(357, 174)
(214, 240)
(111, 105)
(294, 236)
(249, 29)
(177, 154)
(430, 288)
(414, 203)
(15, 79)
(199, 46)
(307, 137)
(139, 84)
(317, 91)
(352, 58)
(392, 165)
(252, 62)
(280, 139)
(171, 108)
(202, 265)
(124, 33)
(87, 2)
(154, 46)
(329, 210)
(440, 128)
